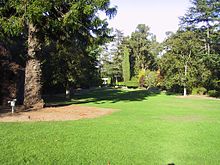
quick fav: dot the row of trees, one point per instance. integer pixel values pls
(59, 43)
(188, 60)
(130, 56)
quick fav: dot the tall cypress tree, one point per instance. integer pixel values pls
(126, 64)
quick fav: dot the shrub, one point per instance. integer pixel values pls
(151, 79)
(154, 90)
(120, 83)
(133, 83)
(148, 78)
(141, 77)
(199, 91)
(214, 93)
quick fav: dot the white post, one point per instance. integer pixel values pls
(185, 92)
(12, 109)
(12, 103)
(67, 91)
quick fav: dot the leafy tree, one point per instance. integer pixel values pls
(117, 53)
(182, 65)
(71, 66)
(105, 62)
(140, 44)
(204, 18)
(112, 57)
(151, 79)
(40, 20)
(203, 14)
(126, 64)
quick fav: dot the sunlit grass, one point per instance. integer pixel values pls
(147, 129)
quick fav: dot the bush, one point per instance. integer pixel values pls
(174, 89)
(141, 77)
(199, 91)
(133, 83)
(151, 79)
(120, 83)
(214, 93)
(147, 78)
(154, 90)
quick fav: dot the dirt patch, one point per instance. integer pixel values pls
(188, 118)
(197, 97)
(71, 112)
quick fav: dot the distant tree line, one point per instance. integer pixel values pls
(188, 61)
(54, 46)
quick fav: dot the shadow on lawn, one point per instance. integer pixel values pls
(100, 96)
(97, 96)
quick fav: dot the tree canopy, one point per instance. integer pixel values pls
(74, 27)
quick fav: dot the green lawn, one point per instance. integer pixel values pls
(145, 129)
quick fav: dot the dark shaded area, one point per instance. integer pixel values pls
(175, 89)
(173, 93)
(11, 76)
(100, 96)
(57, 69)
(6, 110)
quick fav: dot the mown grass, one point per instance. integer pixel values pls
(147, 129)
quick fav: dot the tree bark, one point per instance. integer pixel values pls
(208, 37)
(185, 71)
(116, 80)
(32, 91)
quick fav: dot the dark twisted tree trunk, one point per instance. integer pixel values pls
(32, 91)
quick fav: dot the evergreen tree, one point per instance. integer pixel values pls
(40, 20)
(126, 64)
(117, 54)
(182, 65)
(203, 17)
(140, 44)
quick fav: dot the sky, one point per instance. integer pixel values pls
(160, 15)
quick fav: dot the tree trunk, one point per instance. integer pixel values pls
(208, 44)
(185, 71)
(67, 91)
(116, 80)
(32, 91)
(126, 65)
(185, 93)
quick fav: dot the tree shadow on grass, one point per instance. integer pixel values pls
(100, 96)
(97, 96)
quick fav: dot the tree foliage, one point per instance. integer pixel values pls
(72, 27)
(203, 17)
(182, 64)
(140, 43)
(126, 64)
